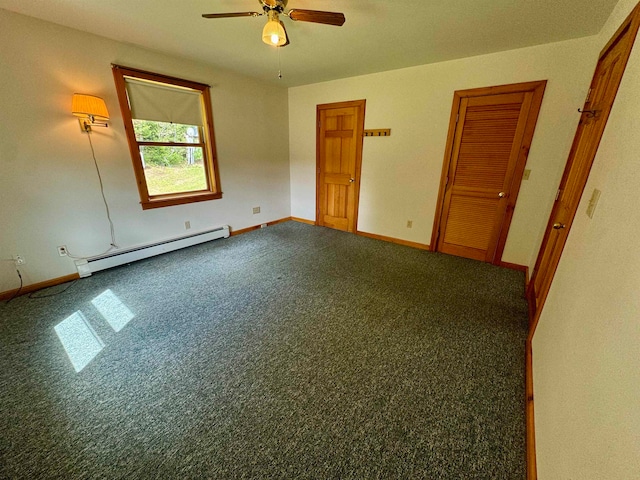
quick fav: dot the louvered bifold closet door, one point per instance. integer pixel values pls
(486, 146)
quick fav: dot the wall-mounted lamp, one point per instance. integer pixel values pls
(90, 110)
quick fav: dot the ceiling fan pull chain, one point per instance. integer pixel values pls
(279, 65)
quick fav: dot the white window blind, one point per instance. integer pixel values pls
(164, 103)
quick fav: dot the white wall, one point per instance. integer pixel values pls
(49, 193)
(586, 349)
(401, 173)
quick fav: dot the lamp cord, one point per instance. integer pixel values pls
(33, 295)
(19, 288)
(104, 198)
(113, 244)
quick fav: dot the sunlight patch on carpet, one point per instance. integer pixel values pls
(116, 313)
(79, 340)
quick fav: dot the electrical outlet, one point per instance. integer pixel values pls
(256, 210)
(62, 251)
(187, 225)
(409, 223)
(263, 225)
(526, 174)
(19, 260)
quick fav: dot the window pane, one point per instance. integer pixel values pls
(173, 169)
(149, 131)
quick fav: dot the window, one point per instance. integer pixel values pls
(169, 127)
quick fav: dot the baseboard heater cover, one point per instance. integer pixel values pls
(121, 257)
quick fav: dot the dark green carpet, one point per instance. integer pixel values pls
(288, 352)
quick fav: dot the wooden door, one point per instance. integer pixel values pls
(602, 92)
(340, 129)
(489, 139)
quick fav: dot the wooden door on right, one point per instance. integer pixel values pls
(595, 112)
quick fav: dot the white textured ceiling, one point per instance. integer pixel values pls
(378, 35)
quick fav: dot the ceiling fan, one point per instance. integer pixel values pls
(274, 32)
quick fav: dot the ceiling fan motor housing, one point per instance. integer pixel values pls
(277, 5)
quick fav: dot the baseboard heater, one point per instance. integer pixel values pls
(121, 257)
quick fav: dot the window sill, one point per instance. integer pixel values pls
(179, 199)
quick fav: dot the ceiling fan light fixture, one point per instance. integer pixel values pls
(273, 33)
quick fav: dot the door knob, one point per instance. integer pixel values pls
(559, 226)
(502, 194)
(351, 180)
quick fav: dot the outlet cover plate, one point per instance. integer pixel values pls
(593, 202)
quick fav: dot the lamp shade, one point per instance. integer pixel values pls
(89, 105)
(273, 32)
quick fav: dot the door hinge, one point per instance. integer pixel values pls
(558, 194)
(457, 117)
(446, 181)
(588, 95)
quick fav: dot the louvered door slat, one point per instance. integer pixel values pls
(486, 144)
(470, 222)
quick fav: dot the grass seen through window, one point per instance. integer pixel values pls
(171, 169)
(163, 180)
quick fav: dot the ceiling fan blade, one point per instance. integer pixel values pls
(229, 15)
(316, 16)
(286, 35)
